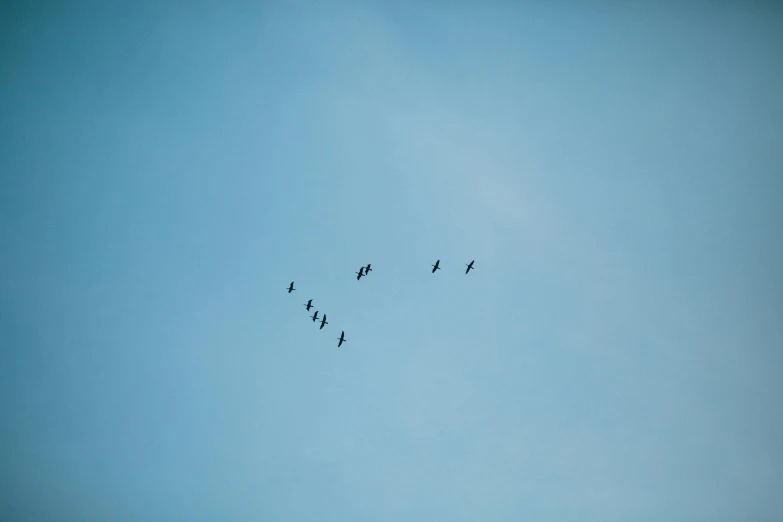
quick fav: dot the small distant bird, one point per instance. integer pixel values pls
(341, 339)
(309, 304)
(435, 266)
(323, 322)
(469, 266)
(291, 288)
(360, 272)
(367, 269)
(315, 316)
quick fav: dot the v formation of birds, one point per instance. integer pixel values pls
(363, 271)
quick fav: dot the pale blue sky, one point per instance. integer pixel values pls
(616, 173)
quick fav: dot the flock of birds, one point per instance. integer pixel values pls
(363, 271)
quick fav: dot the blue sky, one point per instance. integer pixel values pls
(615, 171)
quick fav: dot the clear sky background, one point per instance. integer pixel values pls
(615, 171)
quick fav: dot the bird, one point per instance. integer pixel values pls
(341, 339)
(323, 322)
(435, 266)
(309, 304)
(367, 269)
(291, 288)
(315, 316)
(469, 266)
(360, 272)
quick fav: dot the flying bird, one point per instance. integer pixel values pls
(360, 272)
(291, 288)
(469, 266)
(323, 322)
(435, 266)
(367, 269)
(309, 304)
(342, 339)
(315, 316)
